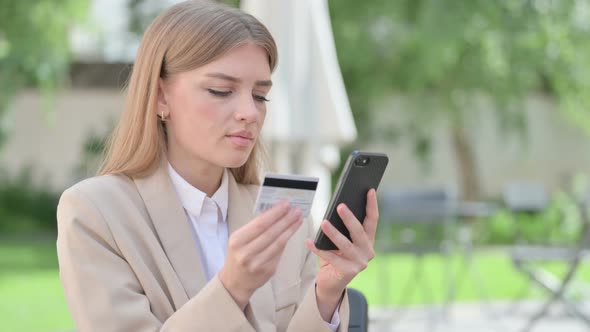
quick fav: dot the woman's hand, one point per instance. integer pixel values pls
(338, 268)
(254, 251)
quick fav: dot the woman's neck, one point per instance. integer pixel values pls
(200, 174)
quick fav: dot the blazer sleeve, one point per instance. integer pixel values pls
(307, 316)
(103, 293)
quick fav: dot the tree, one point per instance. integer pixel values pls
(34, 48)
(446, 55)
(143, 12)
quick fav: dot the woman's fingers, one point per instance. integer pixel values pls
(246, 269)
(327, 255)
(346, 268)
(265, 257)
(269, 236)
(341, 241)
(364, 233)
(339, 267)
(372, 217)
(355, 228)
(261, 223)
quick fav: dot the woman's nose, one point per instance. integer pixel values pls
(247, 110)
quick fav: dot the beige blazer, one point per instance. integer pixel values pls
(128, 262)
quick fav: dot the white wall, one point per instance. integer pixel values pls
(553, 150)
(51, 141)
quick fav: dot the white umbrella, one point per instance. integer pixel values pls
(309, 115)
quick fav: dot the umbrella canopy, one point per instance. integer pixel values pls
(309, 101)
(309, 115)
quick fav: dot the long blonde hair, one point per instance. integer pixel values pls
(184, 37)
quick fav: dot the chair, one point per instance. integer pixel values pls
(359, 311)
(469, 214)
(527, 197)
(417, 222)
(531, 199)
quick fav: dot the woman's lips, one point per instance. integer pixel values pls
(240, 140)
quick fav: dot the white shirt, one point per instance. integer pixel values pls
(208, 217)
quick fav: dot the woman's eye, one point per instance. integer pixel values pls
(219, 93)
(261, 99)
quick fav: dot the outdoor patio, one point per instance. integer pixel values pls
(497, 317)
(483, 108)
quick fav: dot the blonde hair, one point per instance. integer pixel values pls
(184, 37)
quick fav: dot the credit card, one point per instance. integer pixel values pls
(298, 190)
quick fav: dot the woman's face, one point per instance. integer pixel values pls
(215, 112)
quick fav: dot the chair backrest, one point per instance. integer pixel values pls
(525, 197)
(531, 199)
(359, 311)
(427, 205)
(416, 221)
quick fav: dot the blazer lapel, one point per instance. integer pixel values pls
(240, 205)
(240, 212)
(173, 228)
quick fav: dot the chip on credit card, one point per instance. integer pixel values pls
(298, 190)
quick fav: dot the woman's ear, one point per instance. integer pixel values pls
(163, 109)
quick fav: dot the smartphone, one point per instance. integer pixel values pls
(362, 171)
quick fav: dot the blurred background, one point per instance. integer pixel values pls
(482, 106)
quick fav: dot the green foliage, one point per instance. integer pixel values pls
(233, 3)
(141, 15)
(28, 207)
(92, 154)
(560, 223)
(25, 206)
(446, 54)
(34, 48)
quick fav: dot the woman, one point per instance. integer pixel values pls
(164, 238)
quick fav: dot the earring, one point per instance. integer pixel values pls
(162, 116)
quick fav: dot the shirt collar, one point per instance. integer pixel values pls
(192, 198)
